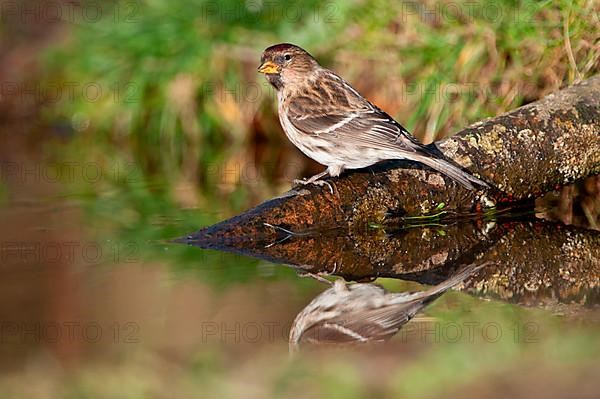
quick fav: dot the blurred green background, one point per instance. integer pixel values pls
(163, 98)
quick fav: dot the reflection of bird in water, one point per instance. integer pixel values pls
(361, 313)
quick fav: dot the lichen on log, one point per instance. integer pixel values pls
(537, 147)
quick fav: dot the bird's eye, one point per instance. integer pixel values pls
(287, 57)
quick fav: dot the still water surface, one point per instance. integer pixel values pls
(92, 282)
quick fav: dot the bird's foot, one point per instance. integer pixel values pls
(339, 284)
(320, 183)
(320, 275)
(317, 276)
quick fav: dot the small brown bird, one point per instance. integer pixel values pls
(330, 122)
(363, 313)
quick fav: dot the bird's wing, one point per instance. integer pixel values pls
(332, 108)
(368, 325)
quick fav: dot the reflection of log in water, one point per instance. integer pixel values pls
(542, 264)
(537, 262)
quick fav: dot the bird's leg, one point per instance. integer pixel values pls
(315, 180)
(340, 286)
(316, 276)
(320, 276)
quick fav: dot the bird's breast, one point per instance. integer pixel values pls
(315, 147)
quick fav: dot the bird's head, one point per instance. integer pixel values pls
(285, 64)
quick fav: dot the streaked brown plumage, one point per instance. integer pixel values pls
(330, 122)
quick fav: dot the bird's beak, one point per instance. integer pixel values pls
(268, 67)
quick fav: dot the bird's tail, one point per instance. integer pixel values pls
(418, 300)
(450, 170)
(455, 279)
